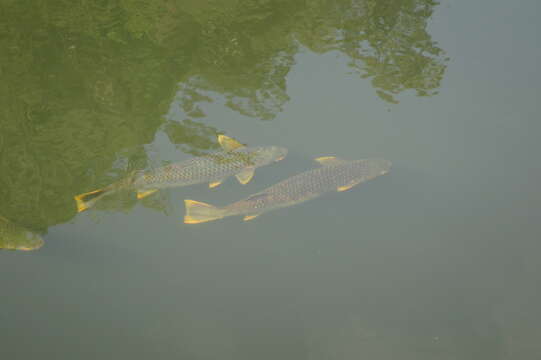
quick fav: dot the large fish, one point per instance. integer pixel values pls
(334, 175)
(236, 159)
(15, 237)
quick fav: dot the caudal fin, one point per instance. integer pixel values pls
(199, 212)
(87, 200)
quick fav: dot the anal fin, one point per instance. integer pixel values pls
(348, 186)
(144, 193)
(245, 175)
(250, 217)
(215, 183)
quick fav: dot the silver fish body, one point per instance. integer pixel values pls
(209, 168)
(236, 159)
(334, 175)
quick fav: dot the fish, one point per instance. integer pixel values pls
(334, 174)
(15, 237)
(213, 168)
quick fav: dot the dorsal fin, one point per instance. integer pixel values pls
(229, 144)
(329, 160)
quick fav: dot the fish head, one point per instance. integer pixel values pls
(369, 168)
(384, 166)
(268, 154)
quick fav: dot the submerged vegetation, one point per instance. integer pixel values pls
(86, 84)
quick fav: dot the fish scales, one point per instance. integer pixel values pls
(334, 175)
(211, 167)
(236, 160)
(307, 185)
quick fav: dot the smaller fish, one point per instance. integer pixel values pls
(334, 175)
(15, 237)
(236, 159)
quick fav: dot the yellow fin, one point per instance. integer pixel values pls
(250, 217)
(215, 183)
(229, 144)
(245, 175)
(348, 186)
(199, 212)
(83, 203)
(325, 158)
(141, 194)
(329, 160)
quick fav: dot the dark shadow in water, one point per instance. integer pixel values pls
(86, 85)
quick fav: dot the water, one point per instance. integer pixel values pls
(436, 260)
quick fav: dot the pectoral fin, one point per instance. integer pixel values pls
(144, 193)
(215, 183)
(329, 160)
(245, 175)
(250, 217)
(229, 144)
(348, 186)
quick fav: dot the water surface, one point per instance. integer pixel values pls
(436, 260)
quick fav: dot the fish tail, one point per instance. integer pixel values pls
(87, 200)
(199, 212)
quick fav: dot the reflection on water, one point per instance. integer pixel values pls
(86, 85)
(438, 261)
(15, 237)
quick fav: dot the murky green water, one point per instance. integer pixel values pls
(439, 259)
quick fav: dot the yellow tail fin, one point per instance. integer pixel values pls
(199, 212)
(86, 200)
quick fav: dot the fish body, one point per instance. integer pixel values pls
(15, 237)
(235, 159)
(209, 168)
(334, 175)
